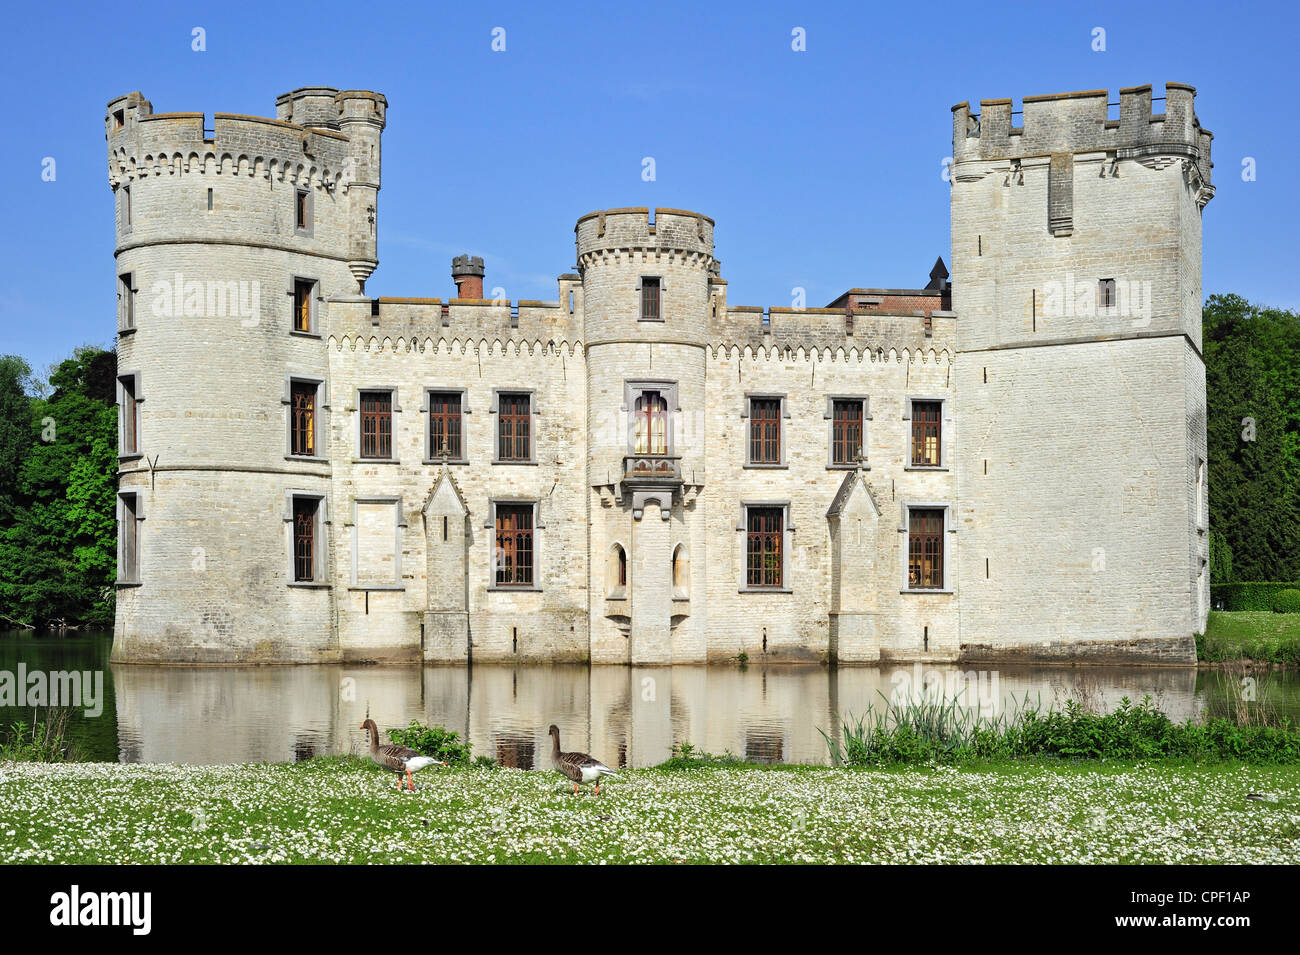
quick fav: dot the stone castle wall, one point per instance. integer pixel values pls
(1071, 481)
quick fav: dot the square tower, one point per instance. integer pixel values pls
(1076, 244)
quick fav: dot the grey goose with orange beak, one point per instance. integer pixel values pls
(579, 767)
(399, 759)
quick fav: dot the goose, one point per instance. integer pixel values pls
(400, 759)
(579, 767)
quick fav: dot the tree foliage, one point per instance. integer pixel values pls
(58, 464)
(1252, 357)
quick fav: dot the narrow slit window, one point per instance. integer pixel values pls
(128, 570)
(126, 205)
(130, 415)
(126, 299)
(300, 210)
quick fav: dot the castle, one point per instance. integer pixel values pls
(1007, 467)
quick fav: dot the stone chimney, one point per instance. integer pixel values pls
(467, 273)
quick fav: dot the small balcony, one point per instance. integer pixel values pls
(652, 477)
(652, 468)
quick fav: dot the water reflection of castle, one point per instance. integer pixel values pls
(628, 716)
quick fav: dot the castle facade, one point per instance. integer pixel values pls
(1010, 466)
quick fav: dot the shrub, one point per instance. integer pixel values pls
(689, 756)
(1286, 601)
(45, 741)
(436, 741)
(939, 733)
(1247, 595)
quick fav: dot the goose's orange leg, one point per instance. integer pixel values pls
(575, 789)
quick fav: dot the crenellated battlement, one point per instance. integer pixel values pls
(823, 330)
(327, 107)
(614, 230)
(142, 143)
(1078, 122)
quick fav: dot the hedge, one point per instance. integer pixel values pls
(1247, 595)
(1286, 601)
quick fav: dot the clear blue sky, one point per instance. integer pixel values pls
(822, 168)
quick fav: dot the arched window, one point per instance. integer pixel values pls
(681, 572)
(616, 584)
(651, 423)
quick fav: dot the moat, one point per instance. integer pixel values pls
(627, 716)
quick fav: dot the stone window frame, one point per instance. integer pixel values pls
(124, 208)
(1107, 288)
(491, 527)
(322, 406)
(945, 433)
(320, 550)
(400, 523)
(126, 293)
(787, 546)
(315, 300)
(949, 529)
(309, 212)
(428, 424)
(120, 513)
(640, 304)
(783, 440)
(633, 389)
(829, 415)
(614, 590)
(1200, 475)
(138, 396)
(683, 592)
(356, 423)
(533, 414)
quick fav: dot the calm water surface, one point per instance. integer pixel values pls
(625, 716)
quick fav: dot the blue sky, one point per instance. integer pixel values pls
(822, 168)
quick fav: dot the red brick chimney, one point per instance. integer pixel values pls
(467, 273)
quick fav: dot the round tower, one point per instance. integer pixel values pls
(646, 287)
(231, 241)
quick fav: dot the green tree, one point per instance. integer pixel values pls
(1220, 559)
(15, 433)
(58, 540)
(1252, 357)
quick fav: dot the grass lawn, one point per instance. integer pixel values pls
(1253, 634)
(344, 810)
